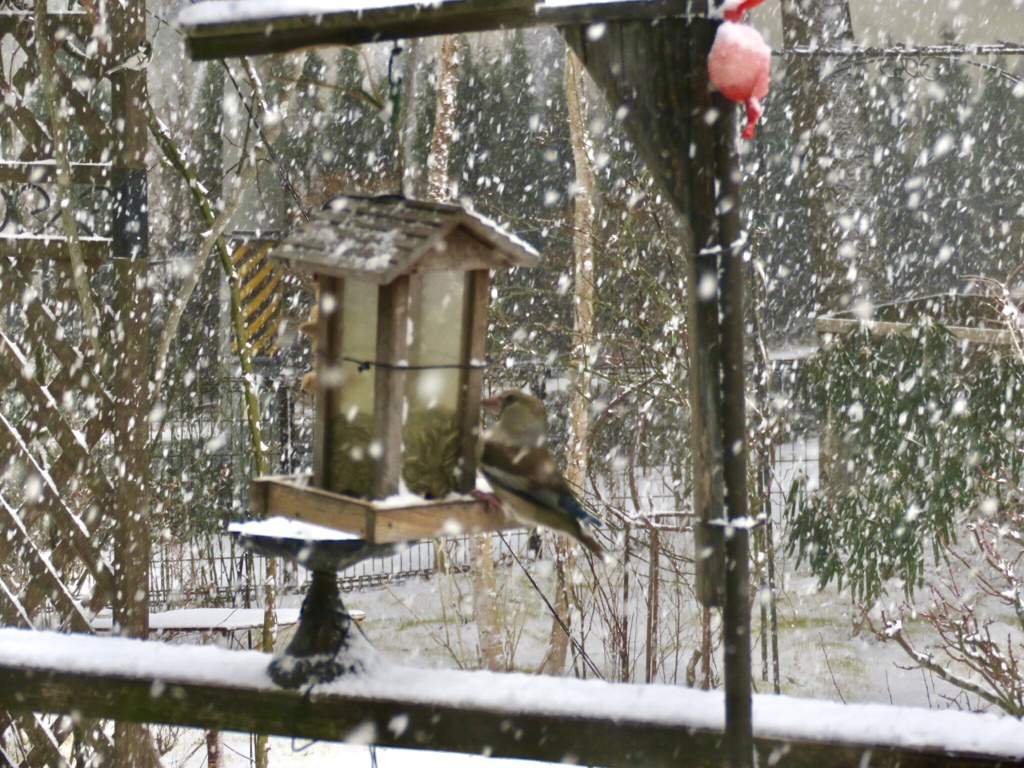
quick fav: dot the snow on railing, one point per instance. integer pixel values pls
(512, 715)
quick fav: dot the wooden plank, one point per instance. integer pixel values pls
(290, 497)
(38, 247)
(367, 25)
(44, 329)
(657, 73)
(73, 22)
(278, 496)
(71, 527)
(460, 251)
(36, 139)
(389, 386)
(43, 746)
(45, 412)
(437, 520)
(43, 579)
(528, 717)
(838, 325)
(12, 612)
(275, 22)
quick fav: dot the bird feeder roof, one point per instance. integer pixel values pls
(377, 239)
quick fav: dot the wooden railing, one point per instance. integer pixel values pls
(521, 716)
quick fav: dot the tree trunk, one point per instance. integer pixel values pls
(835, 173)
(438, 182)
(439, 189)
(653, 581)
(407, 168)
(553, 662)
(485, 604)
(582, 341)
(213, 748)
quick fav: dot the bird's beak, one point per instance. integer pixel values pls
(490, 403)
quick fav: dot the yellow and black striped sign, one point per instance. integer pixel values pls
(259, 281)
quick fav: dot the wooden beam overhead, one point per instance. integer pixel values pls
(39, 247)
(13, 172)
(215, 30)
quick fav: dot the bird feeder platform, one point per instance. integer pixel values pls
(390, 521)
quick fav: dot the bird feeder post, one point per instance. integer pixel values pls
(326, 335)
(389, 387)
(471, 384)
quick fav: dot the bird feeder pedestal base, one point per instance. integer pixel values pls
(327, 644)
(322, 649)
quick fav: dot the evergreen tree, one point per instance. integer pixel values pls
(359, 142)
(298, 145)
(940, 191)
(777, 219)
(208, 147)
(513, 163)
(995, 141)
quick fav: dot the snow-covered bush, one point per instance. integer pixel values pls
(907, 421)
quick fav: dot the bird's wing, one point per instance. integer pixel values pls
(531, 474)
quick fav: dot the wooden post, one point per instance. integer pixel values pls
(736, 609)
(474, 344)
(128, 361)
(671, 110)
(676, 109)
(389, 386)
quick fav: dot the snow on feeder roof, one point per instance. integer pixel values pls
(376, 239)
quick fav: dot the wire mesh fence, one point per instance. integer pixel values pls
(216, 571)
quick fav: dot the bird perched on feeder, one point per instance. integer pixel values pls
(739, 63)
(516, 462)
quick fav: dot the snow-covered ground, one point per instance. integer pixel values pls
(823, 654)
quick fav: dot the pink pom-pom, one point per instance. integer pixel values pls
(739, 66)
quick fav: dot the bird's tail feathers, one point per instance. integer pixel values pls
(595, 546)
(572, 505)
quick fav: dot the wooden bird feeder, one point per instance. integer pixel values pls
(400, 330)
